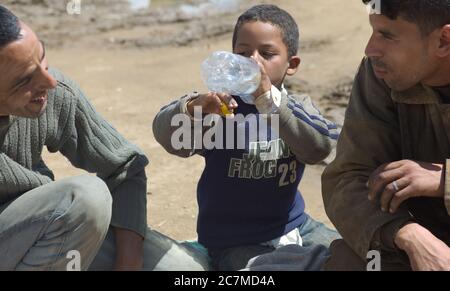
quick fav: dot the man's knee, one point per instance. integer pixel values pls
(91, 201)
(343, 258)
(89, 189)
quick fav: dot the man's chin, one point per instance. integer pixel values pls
(397, 86)
(34, 111)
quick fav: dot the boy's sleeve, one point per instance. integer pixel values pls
(309, 135)
(169, 120)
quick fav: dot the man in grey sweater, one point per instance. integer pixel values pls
(87, 222)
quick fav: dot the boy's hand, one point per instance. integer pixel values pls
(265, 84)
(212, 103)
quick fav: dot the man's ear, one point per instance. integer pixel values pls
(444, 46)
(294, 62)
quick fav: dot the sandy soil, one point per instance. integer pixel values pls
(131, 64)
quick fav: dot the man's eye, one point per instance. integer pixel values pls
(24, 82)
(387, 36)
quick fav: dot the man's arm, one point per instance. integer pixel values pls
(92, 144)
(425, 251)
(447, 185)
(370, 138)
(130, 250)
(16, 179)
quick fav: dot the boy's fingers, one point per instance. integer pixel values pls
(225, 111)
(228, 100)
(221, 106)
(260, 64)
(227, 104)
(266, 83)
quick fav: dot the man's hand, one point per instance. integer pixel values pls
(265, 84)
(129, 250)
(425, 251)
(399, 181)
(211, 103)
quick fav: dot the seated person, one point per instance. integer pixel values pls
(248, 199)
(389, 188)
(46, 225)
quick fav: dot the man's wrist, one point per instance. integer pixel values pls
(446, 182)
(405, 237)
(441, 189)
(129, 249)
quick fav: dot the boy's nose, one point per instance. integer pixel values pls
(256, 55)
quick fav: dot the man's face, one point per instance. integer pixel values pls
(400, 54)
(24, 79)
(264, 42)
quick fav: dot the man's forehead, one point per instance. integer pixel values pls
(21, 52)
(399, 25)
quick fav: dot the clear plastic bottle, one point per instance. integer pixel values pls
(231, 73)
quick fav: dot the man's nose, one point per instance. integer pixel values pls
(46, 81)
(373, 48)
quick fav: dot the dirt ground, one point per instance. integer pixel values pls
(131, 64)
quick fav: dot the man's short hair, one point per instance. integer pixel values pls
(9, 27)
(429, 15)
(275, 16)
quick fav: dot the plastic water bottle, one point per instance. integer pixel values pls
(230, 73)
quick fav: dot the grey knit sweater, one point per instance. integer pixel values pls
(71, 126)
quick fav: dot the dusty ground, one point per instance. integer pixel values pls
(130, 65)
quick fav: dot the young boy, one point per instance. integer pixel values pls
(248, 200)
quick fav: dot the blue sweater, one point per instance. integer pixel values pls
(244, 199)
(249, 196)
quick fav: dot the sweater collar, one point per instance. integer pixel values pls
(5, 123)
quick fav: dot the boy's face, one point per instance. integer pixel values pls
(264, 42)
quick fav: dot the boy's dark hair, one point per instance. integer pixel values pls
(275, 16)
(427, 14)
(9, 27)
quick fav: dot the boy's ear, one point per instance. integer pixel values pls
(444, 47)
(294, 62)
